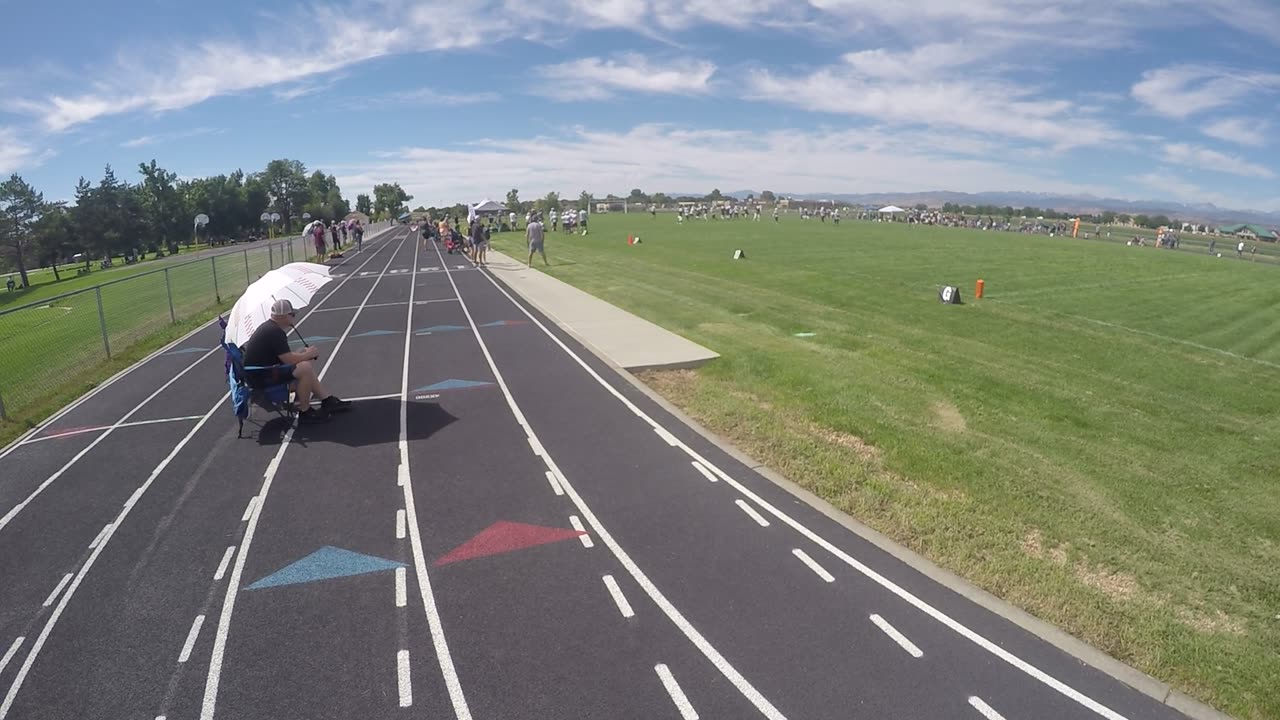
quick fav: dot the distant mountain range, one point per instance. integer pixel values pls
(1207, 213)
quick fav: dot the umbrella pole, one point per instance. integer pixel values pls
(304, 340)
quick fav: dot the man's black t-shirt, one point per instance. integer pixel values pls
(266, 346)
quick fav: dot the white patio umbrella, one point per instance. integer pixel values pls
(296, 282)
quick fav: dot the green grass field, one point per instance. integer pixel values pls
(1095, 441)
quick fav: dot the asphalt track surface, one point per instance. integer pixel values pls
(505, 529)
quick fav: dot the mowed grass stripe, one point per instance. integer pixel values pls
(1082, 443)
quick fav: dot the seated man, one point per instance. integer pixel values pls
(269, 345)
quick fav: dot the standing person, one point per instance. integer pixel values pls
(775, 213)
(317, 236)
(533, 235)
(555, 221)
(1240, 250)
(512, 217)
(1212, 244)
(479, 242)
(342, 224)
(333, 234)
(582, 221)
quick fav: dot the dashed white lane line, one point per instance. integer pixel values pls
(191, 639)
(400, 524)
(248, 510)
(226, 560)
(402, 593)
(405, 680)
(666, 436)
(13, 650)
(54, 595)
(536, 446)
(751, 512)
(677, 695)
(577, 525)
(898, 637)
(555, 484)
(813, 565)
(101, 533)
(985, 709)
(705, 472)
(624, 607)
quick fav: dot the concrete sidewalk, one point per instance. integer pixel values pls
(628, 341)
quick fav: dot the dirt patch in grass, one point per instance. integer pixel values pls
(948, 417)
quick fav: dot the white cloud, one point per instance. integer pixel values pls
(428, 96)
(660, 157)
(1239, 130)
(1167, 185)
(597, 78)
(1180, 91)
(1206, 159)
(15, 153)
(145, 140)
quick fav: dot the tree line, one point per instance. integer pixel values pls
(116, 217)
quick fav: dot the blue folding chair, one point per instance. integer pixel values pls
(254, 384)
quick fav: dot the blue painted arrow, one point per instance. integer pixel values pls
(503, 323)
(440, 328)
(324, 564)
(453, 384)
(187, 351)
(376, 333)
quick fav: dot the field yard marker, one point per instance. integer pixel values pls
(962, 630)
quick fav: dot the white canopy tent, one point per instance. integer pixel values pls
(489, 206)
(891, 209)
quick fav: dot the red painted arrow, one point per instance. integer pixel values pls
(504, 536)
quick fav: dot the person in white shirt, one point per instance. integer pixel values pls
(582, 221)
(555, 220)
(512, 217)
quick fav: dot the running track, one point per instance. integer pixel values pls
(661, 578)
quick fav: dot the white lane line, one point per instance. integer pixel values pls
(101, 533)
(813, 565)
(898, 637)
(54, 595)
(191, 639)
(705, 472)
(9, 516)
(354, 307)
(730, 673)
(13, 650)
(248, 509)
(404, 679)
(624, 607)
(752, 512)
(400, 524)
(960, 629)
(987, 711)
(402, 592)
(677, 695)
(81, 431)
(536, 446)
(209, 704)
(666, 436)
(555, 484)
(366, 398)
(445, 659)
(577, 525)
(226, 559)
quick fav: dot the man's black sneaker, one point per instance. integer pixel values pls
(333, 403)
(313, 417)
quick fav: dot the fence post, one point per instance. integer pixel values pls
(290, 251)
(102, 321)
(2, 415)
(217, 294)
(271, 256)
(247, 280)
(168, 289)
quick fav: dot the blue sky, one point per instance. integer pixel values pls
(1137, 99)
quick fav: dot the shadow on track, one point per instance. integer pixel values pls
(370, 422)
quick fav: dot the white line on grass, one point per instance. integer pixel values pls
(191, 639)
(226, 559)
(960, 629)
(705, 472)
(898, 637)
(577, 525)
(813, 565)
(624, 607)
(13, 650)
(709, 651)
(555, 484)
(210, 702)
(403, 678)
(53, 595)
(402, 592)
(987, 711)
(677, 695)
(451, 681)
(752, 513)
(400, 524)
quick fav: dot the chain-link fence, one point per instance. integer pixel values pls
(45, 343)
